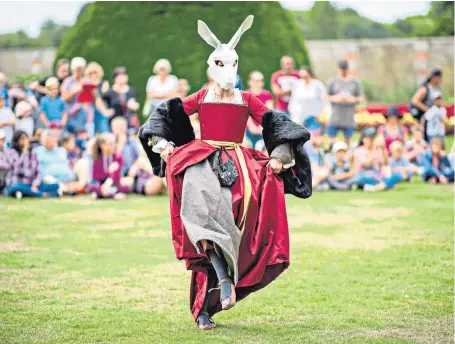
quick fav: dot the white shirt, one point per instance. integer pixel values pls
(7, 115)
(25, 124)
(306, 100)
(155, 85)
(435, 121)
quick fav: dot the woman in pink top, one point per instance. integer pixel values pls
(393, 130)
(107, 167)
(256, 87)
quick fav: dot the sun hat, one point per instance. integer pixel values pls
(339, 145)
(22, 108)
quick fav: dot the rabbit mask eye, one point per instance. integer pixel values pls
(235, 63)
(219, 63)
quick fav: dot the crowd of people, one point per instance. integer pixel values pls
(75, 132)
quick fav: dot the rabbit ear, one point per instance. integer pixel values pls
(245, 26)
(208, 36)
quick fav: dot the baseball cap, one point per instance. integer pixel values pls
(393, 112)
(343, 64)
(437, 95)
(337, 146)
(436, 72)
(2, 134)
(369, 132)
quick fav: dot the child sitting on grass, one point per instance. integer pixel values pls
(416, 147)
(68, 142)
(52, 106)
(24, 120)
(399, 169)
(341, 170)
(437, 168)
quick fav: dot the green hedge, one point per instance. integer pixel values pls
(136, 34)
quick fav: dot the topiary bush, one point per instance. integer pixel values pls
(136, 34)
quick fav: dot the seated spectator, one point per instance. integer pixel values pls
(319, 163)
(61, 73)
(145, 182)
(24, 121)
(95, 73)
(121, 97)
(3, 87)
(393, 130)
(434, 119)
(7, 120)
(126, 141)
(183, 88)
(70, 90)
(18, 93)
(68, 143)
(370, 158)
(35, 140)
(54, 163)
(416, 147)
(24, 179)
(5, 160)
(341, 168)
(107, 167)
(400, 169)
(52, 106)
(437, 168)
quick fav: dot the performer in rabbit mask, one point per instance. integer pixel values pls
(227, 202)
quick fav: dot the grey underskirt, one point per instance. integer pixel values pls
(206, 213)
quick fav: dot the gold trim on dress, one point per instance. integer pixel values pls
(247, 187)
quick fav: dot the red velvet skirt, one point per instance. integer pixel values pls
(264, 248)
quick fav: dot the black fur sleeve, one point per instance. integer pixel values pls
(278, 129)
(170, 122)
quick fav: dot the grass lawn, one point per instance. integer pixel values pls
(365, 268)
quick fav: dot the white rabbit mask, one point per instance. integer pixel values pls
(223, 61)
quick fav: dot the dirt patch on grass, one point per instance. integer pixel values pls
(365, 202)
(150, 234)
(305, 215)
(16, 247)
(422, 331)
(47, 235)
(112, 226)
(110, 214)
(368, 238)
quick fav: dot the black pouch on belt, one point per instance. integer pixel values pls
(225, 171)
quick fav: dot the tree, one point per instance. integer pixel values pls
(442, 13)
(324, 17)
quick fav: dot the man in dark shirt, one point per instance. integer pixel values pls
(61, 73)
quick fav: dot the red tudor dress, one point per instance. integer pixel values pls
(264, 246)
